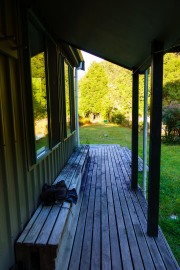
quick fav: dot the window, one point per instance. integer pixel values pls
(39, 90)
(54, 96)
(50, 101)
(67, 98)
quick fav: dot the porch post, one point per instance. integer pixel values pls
(76, 113)
(145, 130)
(135, 96)
(155, 138)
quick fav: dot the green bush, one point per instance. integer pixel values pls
(171, 120)
(118, 118)
(84, 121)
(140, 126)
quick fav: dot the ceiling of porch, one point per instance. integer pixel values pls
(116, 30)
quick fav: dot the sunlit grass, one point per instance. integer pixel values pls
(105, 134)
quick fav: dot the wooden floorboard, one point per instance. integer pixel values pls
(160, 251)
(76, 253)
(126, 211)
(140, 236)
(143, 223)
(112, 223)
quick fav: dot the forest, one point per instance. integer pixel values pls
(105, 94)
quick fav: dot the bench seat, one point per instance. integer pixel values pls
(43, 238)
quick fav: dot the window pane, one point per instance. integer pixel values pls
(39, 102)
(67, 97)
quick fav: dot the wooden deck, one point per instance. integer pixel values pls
(111, 228)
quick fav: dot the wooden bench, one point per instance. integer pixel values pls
(41, 245)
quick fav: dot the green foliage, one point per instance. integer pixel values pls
(39, 86)
(67, 97)
(84, 121)
(119, 88)
(118, 118)
(107, 87)
(42, 142)
(171, 79)
(171, 120)
(93, 92)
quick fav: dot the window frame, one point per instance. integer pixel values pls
(37, 26)
(55, 91)
(52, 93)
(71, 98)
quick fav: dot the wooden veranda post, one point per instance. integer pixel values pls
(135, 97)
(155, 137)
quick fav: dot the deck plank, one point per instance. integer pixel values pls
(96, 250)
(157, 259)
(167, 260)
(114, 239)
(111, 230)
(140, 236)
(133, 245)
(160, 241)
(78, 241)
(87, 243)
(106, 252)
(124, 245)
(76, 253)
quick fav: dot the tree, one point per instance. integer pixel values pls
(119, 87)
(171, 120)
(93, 92)
(39, 86)
(114, 84)
(171, 78)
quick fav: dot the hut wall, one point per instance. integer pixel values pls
(20, 184)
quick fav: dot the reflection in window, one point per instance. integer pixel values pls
(39, 102)
(67, 97)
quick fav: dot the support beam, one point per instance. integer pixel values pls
(81, 67)
(135, 97)
(145, 131)
(77, 116)
(155, 138)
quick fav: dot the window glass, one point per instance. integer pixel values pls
(39, 93)
(67, 98)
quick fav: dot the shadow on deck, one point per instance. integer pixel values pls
(112, 224)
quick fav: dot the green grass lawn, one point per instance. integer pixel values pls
(105, 134)
(170, 175)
